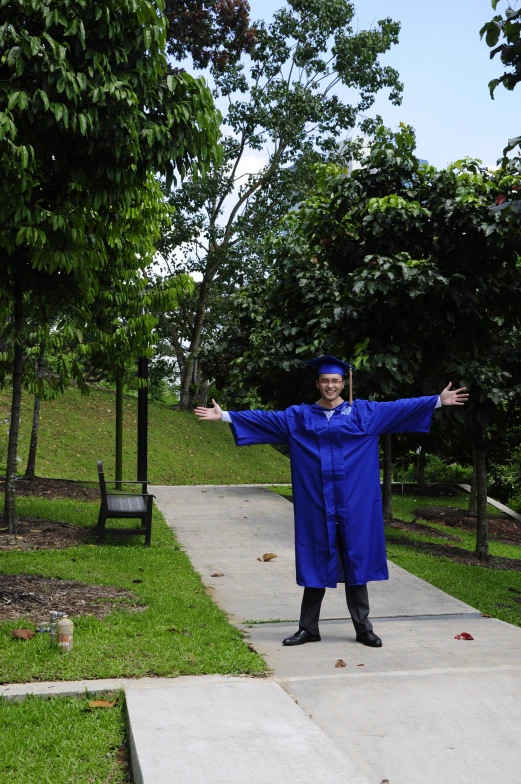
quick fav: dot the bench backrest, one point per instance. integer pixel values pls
(101, 477)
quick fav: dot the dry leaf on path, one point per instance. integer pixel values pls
(218, 574)
(340, 663)
(101, 704)
(360, 665)
(267, 557)
(385, 781)
(23, 634)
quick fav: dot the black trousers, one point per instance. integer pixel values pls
(357, 603)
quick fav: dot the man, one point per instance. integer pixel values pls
(339, 533)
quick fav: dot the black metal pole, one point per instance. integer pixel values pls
(142, 421)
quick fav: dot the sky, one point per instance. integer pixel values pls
(445, 68)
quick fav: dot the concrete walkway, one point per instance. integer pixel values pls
(425, 708)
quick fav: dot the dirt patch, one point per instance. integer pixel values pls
(458, 554)
(422, 529)
(54, 488)
(32, 598)
(501, 528)
(33, 533)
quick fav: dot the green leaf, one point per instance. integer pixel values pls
(13, 56)
(35, 45)
(13, 100)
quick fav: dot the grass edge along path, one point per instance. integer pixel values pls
(182, 631)
(62, 740)
(493, 592)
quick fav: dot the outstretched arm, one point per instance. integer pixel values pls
(210, 414)
(454, 397)
(249, 427)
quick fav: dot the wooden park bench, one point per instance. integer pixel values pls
(124, 505)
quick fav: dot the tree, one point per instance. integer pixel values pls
(89, 112)
(507, 28)
(215, 31)
(411, 272)
(283, 103)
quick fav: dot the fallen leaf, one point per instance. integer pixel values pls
(385, 781)
(35, 530)
(101, 704)
(174, 629)
(464, 636)
(340, 663)
(218, 574)
(360, 665)
(23, 634)
(267, 557)
(485, 615)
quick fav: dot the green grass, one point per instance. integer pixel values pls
(181, 633)
(77, 430)
(62, 741)
(488, 590)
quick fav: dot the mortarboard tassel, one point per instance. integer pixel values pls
(350, 387)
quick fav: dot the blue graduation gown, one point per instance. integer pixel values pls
(336, 480)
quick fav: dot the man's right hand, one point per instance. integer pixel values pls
(211, 414)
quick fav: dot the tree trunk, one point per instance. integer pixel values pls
(31, 460)
(481, 491)
(422, 462)
(473, 499)
(119, 430)
(388, 478)
(12, 449)
(185, 402)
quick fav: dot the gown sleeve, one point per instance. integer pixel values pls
(410, 415)
(259, 427)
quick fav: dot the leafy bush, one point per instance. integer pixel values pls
(437, 470)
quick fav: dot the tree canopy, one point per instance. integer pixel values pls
(411, 272)
(506, 29)
(283, 105)
(89, 112)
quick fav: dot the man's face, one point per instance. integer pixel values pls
(330, 385)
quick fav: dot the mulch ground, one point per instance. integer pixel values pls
(54, 488)
(33, 533)
(32, 598)
(501, 529)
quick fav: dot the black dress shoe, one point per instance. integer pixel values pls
(370, 639)
(300, 637)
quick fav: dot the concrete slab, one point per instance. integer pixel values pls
(229, 730)
(18, 691)
(497, 504)
(225, 529)
(427, 708)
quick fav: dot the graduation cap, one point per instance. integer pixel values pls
(328, 364)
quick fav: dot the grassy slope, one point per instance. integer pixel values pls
(75, 431)
(491, 591)
(182, 632)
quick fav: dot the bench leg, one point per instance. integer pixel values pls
(148, 522)
(102, 519)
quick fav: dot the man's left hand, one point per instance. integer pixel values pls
(454, 397)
